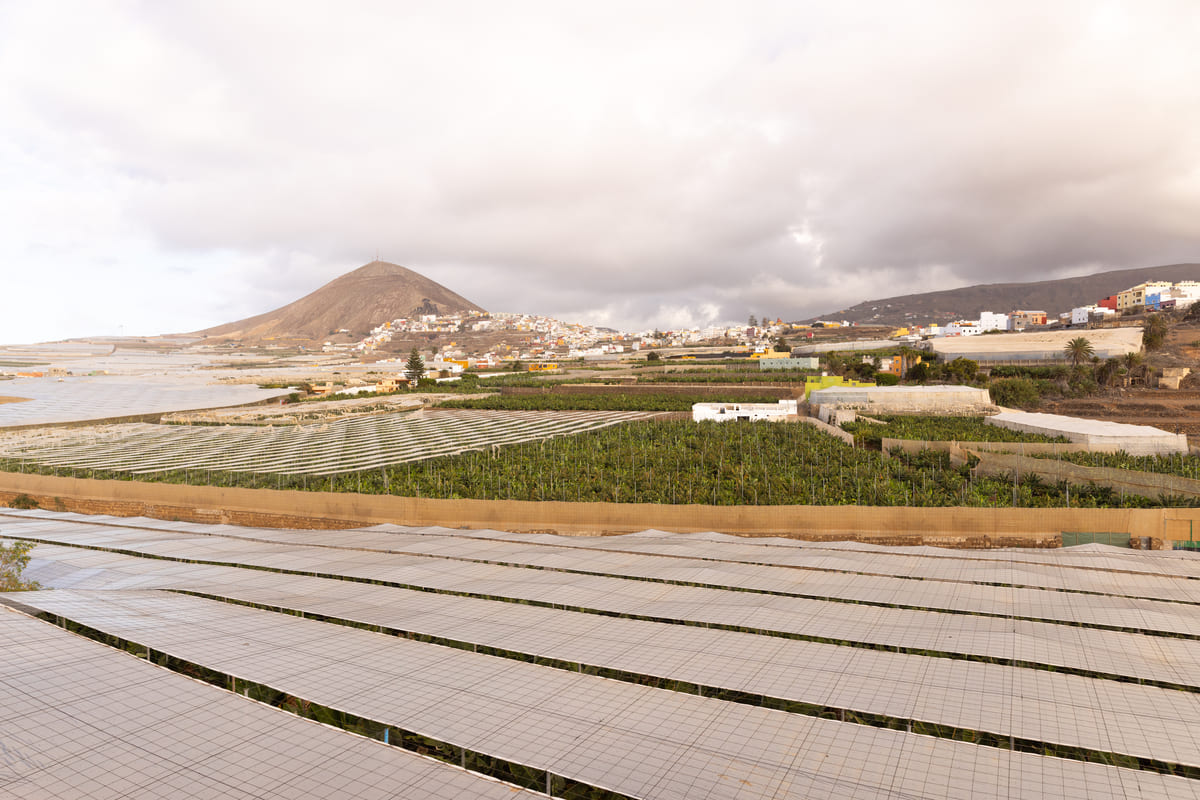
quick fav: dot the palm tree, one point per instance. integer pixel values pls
(1079, 350)
(1154, 333)
(1107, 373)
(1134, 367)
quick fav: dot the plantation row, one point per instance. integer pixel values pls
(938, 429)
(597, 402)
(1185, 466)
(724, 376)
(671, 462)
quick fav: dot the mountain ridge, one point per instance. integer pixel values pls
(1052, 296)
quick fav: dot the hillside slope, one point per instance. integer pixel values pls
(966, 303)
(358, 301)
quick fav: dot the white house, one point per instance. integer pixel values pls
(963, 328)
(722, 412)
(1081, 315)
(989, 321)
(1185, 293)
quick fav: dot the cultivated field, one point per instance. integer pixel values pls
(330, 448)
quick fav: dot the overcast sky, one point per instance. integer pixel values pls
(170, 166)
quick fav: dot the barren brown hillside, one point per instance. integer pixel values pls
(1053, 297)
(358, 301)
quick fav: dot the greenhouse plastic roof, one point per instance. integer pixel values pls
(82, 720)
(322, 448)
(78, 399)
(1051, 648)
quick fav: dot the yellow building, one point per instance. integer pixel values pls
(1135, 297)
(814, 382)
(392, 384)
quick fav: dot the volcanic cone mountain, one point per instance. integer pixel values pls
(358, 301)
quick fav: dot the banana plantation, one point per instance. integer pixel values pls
(937, 429)
(1185, 466)
(669, 462)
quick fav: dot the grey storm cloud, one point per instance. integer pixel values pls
(632, 164)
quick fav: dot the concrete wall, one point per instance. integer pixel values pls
(839, 347)
(1144, 484)
(825, 427)
(789, 363)
(1020, 448)
(943, 400)
(781, 388)
(943, 527)
(834, 416)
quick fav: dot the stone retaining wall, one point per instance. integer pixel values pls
(943, 527)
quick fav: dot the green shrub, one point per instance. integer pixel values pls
(962, 370)
(13, 559)
(23, 501)
(1043, 373)
(1015, 393)
(886, 379)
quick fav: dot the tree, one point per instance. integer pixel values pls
(415, 367)
(1108, 372)
(781, 346)
(753, 322)
(963, 370)
(1154, 333)
(655, 357)
(1079, 350)
(13, 560)
(918, 372)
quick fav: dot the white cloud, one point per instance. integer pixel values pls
(178, 165)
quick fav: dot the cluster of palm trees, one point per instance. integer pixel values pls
(1080, 351)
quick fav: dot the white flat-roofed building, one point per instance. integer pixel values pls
(989, 321)
(963, 328)
(1185, 293)
(1082, 314)
(948, 400)
(753, 412)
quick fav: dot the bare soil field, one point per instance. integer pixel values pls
(1173, 411)
(1177, 411)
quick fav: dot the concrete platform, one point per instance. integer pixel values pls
(1100, 436)
(1041, 346)
(940, 400)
